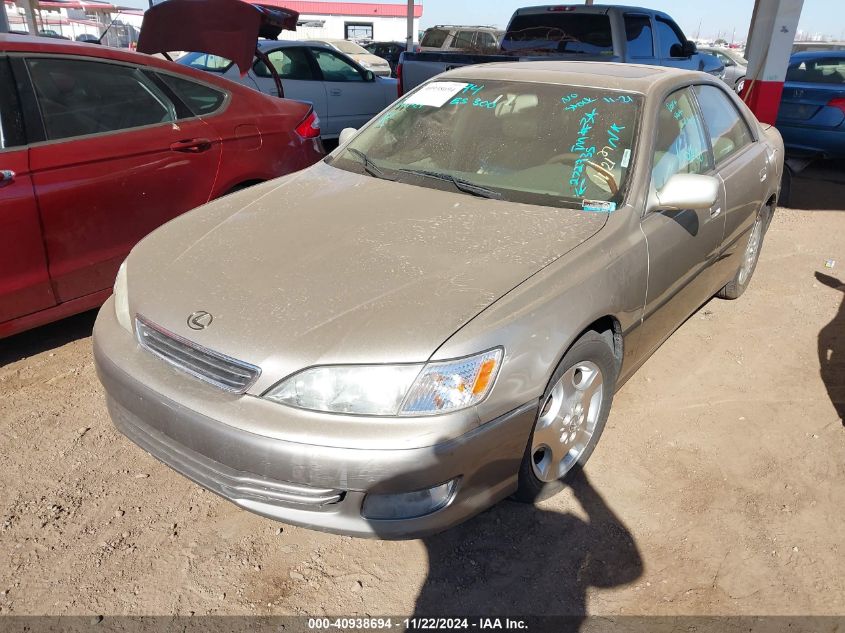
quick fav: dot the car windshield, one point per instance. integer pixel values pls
(350, 48)
(555, 145)
(206, 62)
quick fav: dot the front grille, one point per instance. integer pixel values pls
(212, 367)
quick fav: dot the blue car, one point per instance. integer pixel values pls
(811, 118)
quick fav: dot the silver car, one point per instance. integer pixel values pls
(736, 66)
(438, 315)
(342, 93)
(359, 54)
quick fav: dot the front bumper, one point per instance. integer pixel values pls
(315, 486)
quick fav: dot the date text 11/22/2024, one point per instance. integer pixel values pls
(417, 624)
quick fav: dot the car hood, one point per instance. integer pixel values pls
(372, 60)
(327, 266)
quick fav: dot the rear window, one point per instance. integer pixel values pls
(206, 62)
(582, 33)
(434, 38)
(199, 98)
(829, 70)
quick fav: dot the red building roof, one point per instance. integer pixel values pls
(373, 9)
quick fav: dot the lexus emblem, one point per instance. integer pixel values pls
(200, 320)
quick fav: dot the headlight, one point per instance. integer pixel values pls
(121, 299)
(405, 390)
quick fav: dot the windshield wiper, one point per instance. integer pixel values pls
(462, 185)
(369, 166)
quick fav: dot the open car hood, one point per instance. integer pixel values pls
(227, 28)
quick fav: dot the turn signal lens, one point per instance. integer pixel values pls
(452, 385)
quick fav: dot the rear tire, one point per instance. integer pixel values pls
(571, 418)
(734, 288)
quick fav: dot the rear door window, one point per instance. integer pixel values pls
(639, 36)
(200, 99)
(728, 130)
(463, 39)
(434, 38)
(78, 98)
(206, 62)
(290, 63)
(583, 33)
(485, 40)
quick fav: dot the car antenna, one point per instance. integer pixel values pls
(114, 19)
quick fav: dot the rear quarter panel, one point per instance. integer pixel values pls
(259, 140)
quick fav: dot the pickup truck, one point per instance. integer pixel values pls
(576, 32)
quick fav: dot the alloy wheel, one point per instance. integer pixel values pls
(567, 421)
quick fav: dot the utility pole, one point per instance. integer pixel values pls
(588, 2)
(410, 39)
(29, 13)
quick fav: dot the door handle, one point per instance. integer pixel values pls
(763, 174)
(7, 176)
(191, 145)
(714, 212)
(335, 92)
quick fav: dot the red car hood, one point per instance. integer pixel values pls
(227, 28)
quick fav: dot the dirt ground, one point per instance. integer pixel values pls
(718, 486)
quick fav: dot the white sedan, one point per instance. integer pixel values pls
(343, 93)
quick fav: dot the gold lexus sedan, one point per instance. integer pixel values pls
(437, 315)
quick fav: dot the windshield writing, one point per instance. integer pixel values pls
(530, 142)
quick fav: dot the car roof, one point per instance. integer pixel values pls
(587, 8)
(815, 54)
(33, 44)
(613, 75)
(264, 44)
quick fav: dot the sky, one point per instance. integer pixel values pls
(714, 16)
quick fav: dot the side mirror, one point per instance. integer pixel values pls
(689, 49)
(686, 191)
(346, 134)
(369, 75)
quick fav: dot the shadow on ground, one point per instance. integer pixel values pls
(46, 337)
(832, 350)
(819, 187)
(520, 560)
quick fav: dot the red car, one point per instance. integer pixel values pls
(99, 146)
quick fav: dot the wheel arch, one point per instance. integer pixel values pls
(609, 328)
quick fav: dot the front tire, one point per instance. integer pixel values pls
(734, 288)
(571, 418)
